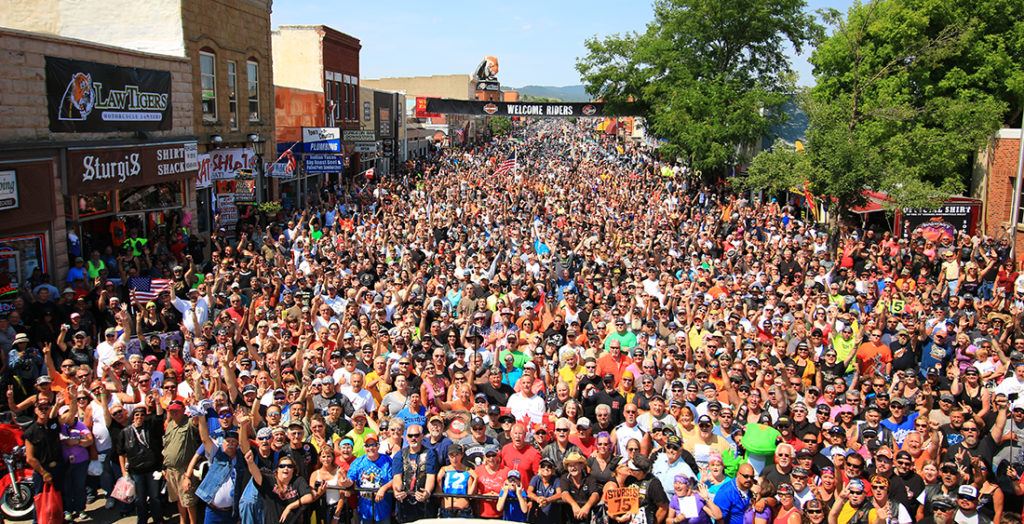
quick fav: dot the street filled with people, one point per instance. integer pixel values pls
(553, 326)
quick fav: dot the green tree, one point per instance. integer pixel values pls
(499, 125)
(907, 92)
(707, 76)
(784, 168)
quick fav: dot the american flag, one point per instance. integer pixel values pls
(506, 166)
(147, 289)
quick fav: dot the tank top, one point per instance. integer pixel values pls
(783, 516)
(625, 433)
(455, 482)
(331, 495)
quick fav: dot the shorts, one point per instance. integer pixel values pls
(174, 493)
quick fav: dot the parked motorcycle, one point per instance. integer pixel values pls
(16, 501)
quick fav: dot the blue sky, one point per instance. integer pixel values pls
(535, 42)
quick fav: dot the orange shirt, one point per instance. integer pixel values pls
(608, 364)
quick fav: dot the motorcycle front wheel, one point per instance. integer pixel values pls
(16, 501)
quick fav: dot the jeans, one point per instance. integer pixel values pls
(74, 487)
(37, 481)
(147, 498)
(986, 290)
(216, 516)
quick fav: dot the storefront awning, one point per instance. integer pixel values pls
(874, 203)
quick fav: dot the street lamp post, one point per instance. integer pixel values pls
(258, 147)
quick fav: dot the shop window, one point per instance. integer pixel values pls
(232, 95)
(19, 256)
(89, 204)
(156, 196)
(208, 79)
(253, 78)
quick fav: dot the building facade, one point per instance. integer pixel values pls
(996, 185)
(317, 72)
(226, 44)
(96, 143)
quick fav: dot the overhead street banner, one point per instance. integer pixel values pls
(534, 109)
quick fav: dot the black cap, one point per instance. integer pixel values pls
(609, 376)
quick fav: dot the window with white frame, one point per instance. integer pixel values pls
(208, 81)
(253, 78)
(233, 95)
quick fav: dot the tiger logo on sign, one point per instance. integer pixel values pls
(79, 98)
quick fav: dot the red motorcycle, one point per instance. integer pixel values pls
(16, 501)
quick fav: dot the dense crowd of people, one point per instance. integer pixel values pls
(586, 337)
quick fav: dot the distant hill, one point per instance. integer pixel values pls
(564, 93)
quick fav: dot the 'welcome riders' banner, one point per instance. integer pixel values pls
(87, 96)
(534, 109)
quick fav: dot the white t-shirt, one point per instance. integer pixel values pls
(362, 400)
(99, 428)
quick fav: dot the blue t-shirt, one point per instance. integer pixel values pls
(512, 512)
(901, 430)
(366, 473)
(410, 418)
(440, 449)
(553, 511)
(732, 502)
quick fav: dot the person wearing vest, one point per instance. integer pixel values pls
(250, 505)
(852, 505)
(141, 458)
(94, 265)
(415, 469)
(221, 487)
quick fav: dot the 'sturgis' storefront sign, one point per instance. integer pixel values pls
(88, 96)
(105, 168)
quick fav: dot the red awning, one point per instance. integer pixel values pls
(874, 202)
(869, 207)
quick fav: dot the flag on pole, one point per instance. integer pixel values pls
(506, 166)
(147, 289)
(369, 173)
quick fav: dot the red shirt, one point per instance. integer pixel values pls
(587, 449)
(490, 484)
(527, 461)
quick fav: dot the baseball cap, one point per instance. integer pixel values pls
(967, 491)
(176, 405)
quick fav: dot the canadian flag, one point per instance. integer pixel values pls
(369, 173)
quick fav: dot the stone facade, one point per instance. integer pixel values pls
(233, 31)
(23, 113)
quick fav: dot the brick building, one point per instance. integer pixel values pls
(52, 165)
(316, 71)
(217, 53)
(228, 45)
(998, 167)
